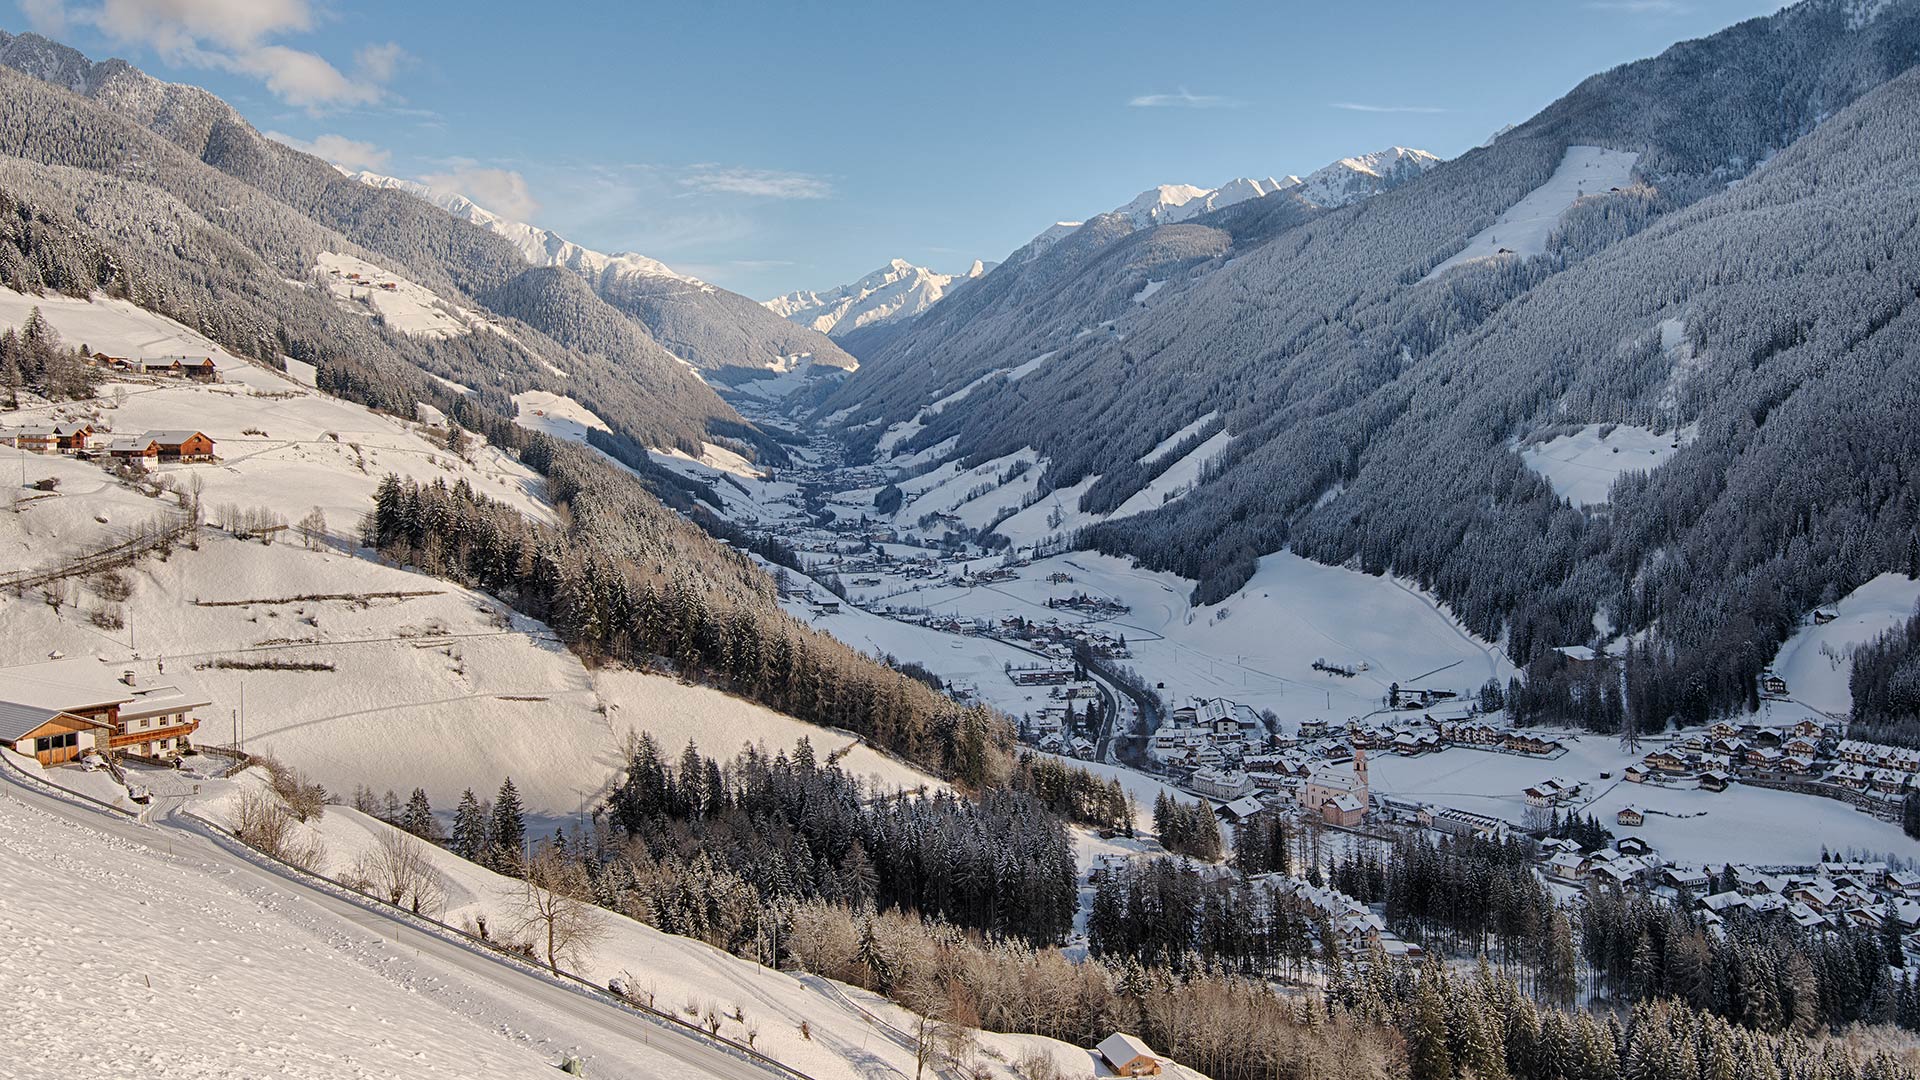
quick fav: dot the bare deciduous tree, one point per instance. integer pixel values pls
(400, 869)
(555, 905)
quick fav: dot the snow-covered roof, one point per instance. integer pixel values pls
(1120, 1048)
(17, 719)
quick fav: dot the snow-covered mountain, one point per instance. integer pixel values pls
(898, 290)
(541, 247)
(1352, 179)
(703, 324)
(1342, 183)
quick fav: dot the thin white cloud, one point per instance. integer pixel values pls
(1355, 106)
(240, 36)
(1183, 99)
(503, 191)
(760, 183)
(342, 151)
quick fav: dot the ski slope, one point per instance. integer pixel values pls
(1523, 228)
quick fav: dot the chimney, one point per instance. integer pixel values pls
(127, 677)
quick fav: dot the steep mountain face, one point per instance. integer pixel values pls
(1640, 267)
(1350, 180)
(895, 292)
(702, 324)
(1064, 288)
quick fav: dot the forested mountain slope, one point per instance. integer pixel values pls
(435, 248)
(1376, 413)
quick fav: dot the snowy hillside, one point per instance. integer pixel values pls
(540, 247)
(1817, 660)
(216, 955)
(352, 670)
(898, 290)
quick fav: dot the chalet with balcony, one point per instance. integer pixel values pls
(80, 704)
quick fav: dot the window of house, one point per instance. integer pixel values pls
(56, 742)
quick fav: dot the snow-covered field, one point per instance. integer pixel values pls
(1257, 647)
(406, 308)
(557, 415)
(443, 690)
(123, 960)
(1817, 660)
(1523, 228)
(1583, 466)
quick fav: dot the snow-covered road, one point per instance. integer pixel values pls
(529, 1016)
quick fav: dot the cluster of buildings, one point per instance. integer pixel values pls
(62, 710)
(1809, 754)
(198, 368)
(82, 438)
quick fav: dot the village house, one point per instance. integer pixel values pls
(1630, 817)
(193, 367)
(1222, 785)
(1666, 761)
(1523, 742)
(1454, 822)
(61, 708)
(1713, 780)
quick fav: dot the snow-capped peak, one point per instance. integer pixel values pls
(538, 246)
(1345, 181)
(1352, 179)
(897, 290)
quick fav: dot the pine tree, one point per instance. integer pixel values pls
(418, 817)
(472, 828)
(508, 831)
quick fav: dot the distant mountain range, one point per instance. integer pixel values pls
(898, 290)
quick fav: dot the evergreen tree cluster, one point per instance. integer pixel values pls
(32, 358)
(1172, 915)
(797, 828)
(1074, 794)
(1186, 828)
(1761, 971)
(1886, 682)
(1476, 894)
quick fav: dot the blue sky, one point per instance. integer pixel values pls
(772, 146)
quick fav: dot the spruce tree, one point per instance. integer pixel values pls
(472, 829)
(418, 818)
(509, 831)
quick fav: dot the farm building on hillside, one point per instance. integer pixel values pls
(1128, 1055)
(69, 706)
(193, 367)
(51, 736)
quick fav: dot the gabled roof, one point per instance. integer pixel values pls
(1120, 1048)
(17, 720)
(176, 437)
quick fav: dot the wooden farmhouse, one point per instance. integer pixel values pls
(57, 710)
